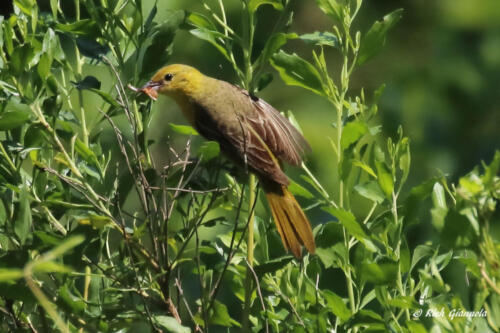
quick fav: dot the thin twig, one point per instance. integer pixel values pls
(259, 292)
(488, 280)
(136, 275)
(213, 294)
(188, 190)
(204, 309)
(242, 237)
(181, 294)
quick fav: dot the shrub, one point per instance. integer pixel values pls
(100, 233)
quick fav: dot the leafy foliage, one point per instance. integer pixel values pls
(101, 235)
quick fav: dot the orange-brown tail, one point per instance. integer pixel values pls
(293, 225)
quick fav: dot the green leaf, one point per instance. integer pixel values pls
(209, 150)
(329, 234)
(379, 273)
(255, 4)
(413, 202)
(365, 167)
(200, 21)
(370, 190)
(403, 302)
(352, 226)
(10, 274)
(264, 80)
(420, 252)
(415, 327)
(24, 219)
(438, 196)
(50, 267)
(327, 256)
(75, 303)
(438, 285)
(54, 6)
(35, 135)
(443, 260)
(106, 97)
(51, 46)
(16, 115)
(369, 320)
(3, 213)
(291, 118)
(221, 317)
(96, 221)
(52, 84)
(86, 153)
(67, 245)
(296, 71)
(440, 209)
(183, 129)
(21, 58)
(345, 167)
(2, 54)
(299, 190)
(25, 5)
(89, 82)
(321, 39)
(352, 132)
(329, 244)
(404, 159)
(91, 48)
(83, 27)
(44, 66)
(151, 16)
(384, 178)
(273, 44)
(491, 171)
(211, 37)
(331, 8)
(405, 260)
(170, 324)
(8, 35)
(374, 40)
(470, 260)
(272, 266)
(337, 305)
(47, 238)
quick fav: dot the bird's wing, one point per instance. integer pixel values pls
(282, 138)
(242, 143)
(254, 133)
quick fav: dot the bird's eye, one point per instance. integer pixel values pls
(168, 77)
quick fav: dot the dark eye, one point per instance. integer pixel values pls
(168, 77)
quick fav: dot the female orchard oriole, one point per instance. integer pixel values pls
(250, 132)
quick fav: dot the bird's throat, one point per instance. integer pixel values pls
(187, 107)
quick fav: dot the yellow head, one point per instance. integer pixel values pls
(177, 81)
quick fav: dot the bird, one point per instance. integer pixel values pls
(250, 132)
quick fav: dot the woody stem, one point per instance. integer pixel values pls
(248, 31)
(250, 247)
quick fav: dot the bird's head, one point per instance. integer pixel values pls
(175, 81)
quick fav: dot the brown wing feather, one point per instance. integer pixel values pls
(242, 144)
(254, 133)
(282, 138)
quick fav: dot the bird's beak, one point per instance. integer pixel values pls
(151, 89)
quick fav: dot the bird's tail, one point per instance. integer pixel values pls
(293, 225)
